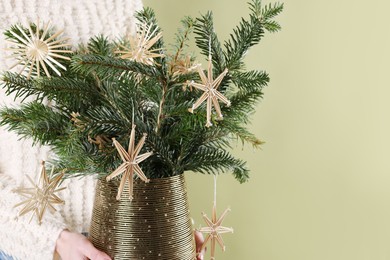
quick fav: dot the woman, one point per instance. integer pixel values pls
(60, 232)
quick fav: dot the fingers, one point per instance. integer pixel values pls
(199, 242)
(94, 254)
(72, 246)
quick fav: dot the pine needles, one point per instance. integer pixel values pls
(101, 95)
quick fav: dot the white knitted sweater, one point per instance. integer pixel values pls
(80, 19)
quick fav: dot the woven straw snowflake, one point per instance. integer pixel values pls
(214, 230)
(211, 94)
(131, 159)
(36, 49)
(40, 196)
(140, 45)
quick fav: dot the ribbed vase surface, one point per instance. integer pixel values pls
(155, 225)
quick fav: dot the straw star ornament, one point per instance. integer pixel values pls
(211, 94)
(36, 49)
(131, 159)
(41, 196)
(214, 230)
(182, 66)
(140, 45)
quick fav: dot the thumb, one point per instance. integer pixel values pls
(94, 254)
(199, 240)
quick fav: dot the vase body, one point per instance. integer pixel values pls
(156, 224)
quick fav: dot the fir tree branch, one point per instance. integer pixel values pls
(250, 80)
(20, 86)
(238, 131)
(100, 45)
(244, 102)
(207, 40)
(244, 36)
(267, 13)
(182, 37)
(105, 66)
(68, 160)
(147, 16)
(71, 93)
(36, 121)
(115, 93)
(160, 116)
(214, 161)
(105, 121)
(250, 32)
(245, 99)
(109, 95)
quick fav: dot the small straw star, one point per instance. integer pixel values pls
(140, 46)
(41, 196)
(214, 230)
(211, 94)
(183, 66)
(34, 50)
(131, 159)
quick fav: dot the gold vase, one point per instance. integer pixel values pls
(155, 225)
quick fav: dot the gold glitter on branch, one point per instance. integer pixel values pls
(39, 49)
(131, 159)
(211, 94)
(214, 230)
(41, 196)
(140, 46)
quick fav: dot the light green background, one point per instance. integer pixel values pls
(320, 186)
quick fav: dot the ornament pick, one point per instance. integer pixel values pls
(41, 196)
(211, 94)
(37, 49)
(131, 159)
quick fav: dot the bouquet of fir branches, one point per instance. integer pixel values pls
(85, 101)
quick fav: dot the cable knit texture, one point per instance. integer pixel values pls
(80, 19)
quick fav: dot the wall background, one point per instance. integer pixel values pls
(320, 186)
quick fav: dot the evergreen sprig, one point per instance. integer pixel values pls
(100, 96)
(207, 41)
(37, 121)
(104, 66)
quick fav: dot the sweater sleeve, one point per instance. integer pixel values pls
(21, 238)
(79, 196)
(28, 240)
(80, 20)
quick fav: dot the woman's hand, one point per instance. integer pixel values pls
(199, 242)
(74, 246)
